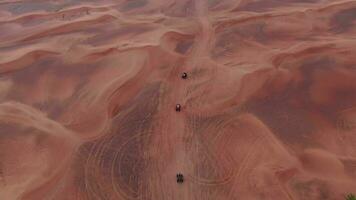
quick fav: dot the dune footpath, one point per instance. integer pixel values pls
(88, 91)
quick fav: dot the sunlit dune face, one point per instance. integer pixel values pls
(116, 100)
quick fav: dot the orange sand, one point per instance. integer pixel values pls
(88, 91)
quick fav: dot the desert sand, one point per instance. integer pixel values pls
(88, 91)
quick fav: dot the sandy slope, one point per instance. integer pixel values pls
(88, 90)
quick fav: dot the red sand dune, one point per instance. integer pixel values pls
(88, 92)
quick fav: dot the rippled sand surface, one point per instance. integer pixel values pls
(88, 92)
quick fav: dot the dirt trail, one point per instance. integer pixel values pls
(174, 124)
